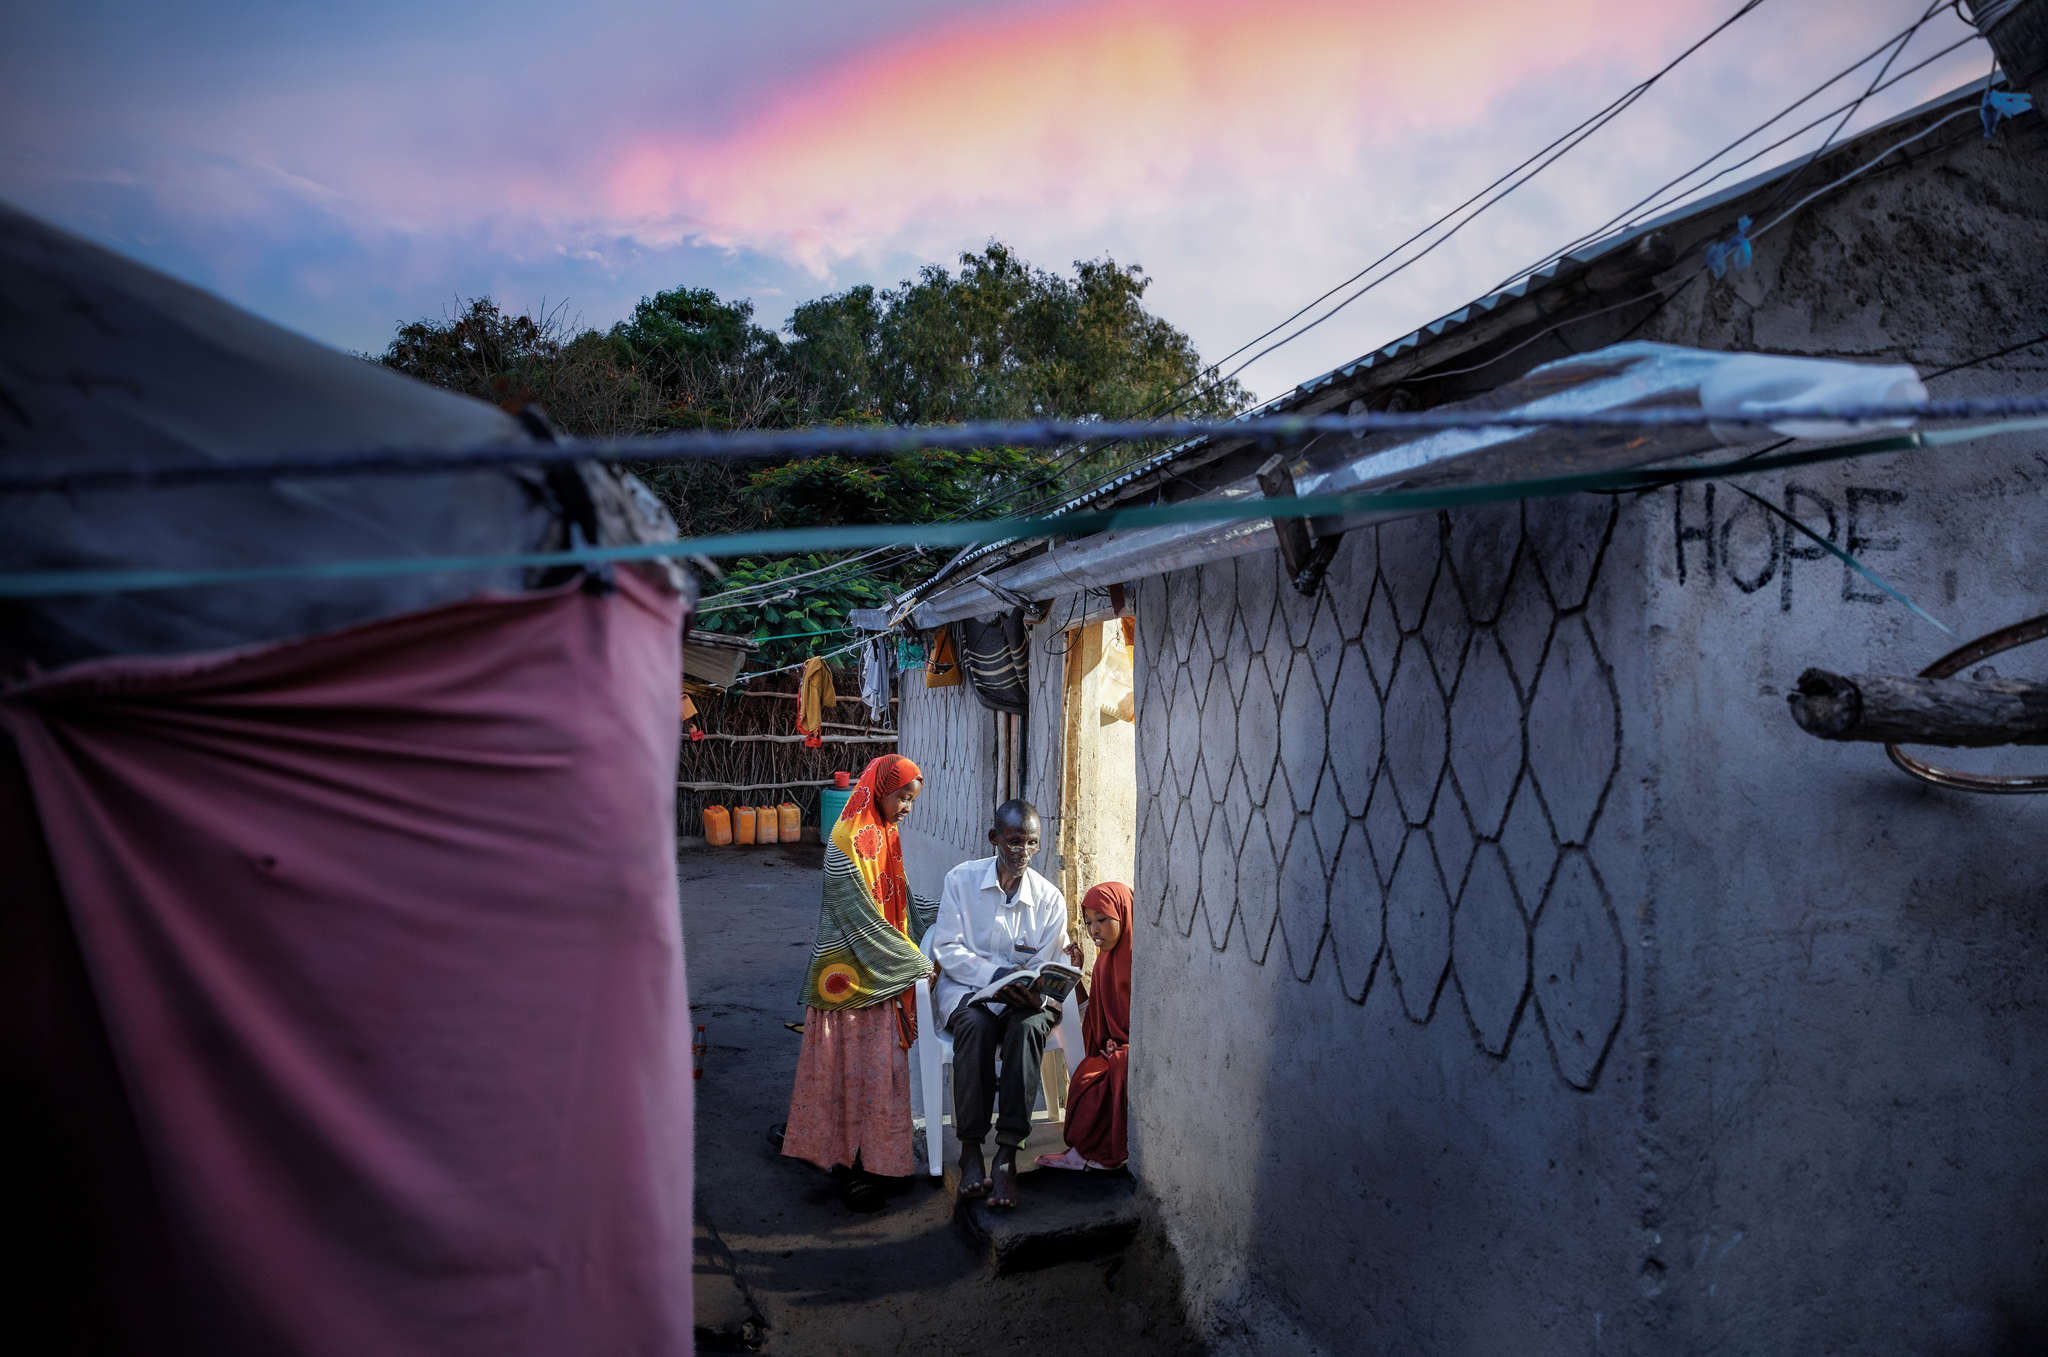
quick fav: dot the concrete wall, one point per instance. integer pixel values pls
(952, 739)
(1382, 1086)
(1850, 995)
(1513, 976)
(1633, 1019)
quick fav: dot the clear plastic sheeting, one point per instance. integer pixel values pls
(1621, 377)
(1758, 383)
(1624, 376)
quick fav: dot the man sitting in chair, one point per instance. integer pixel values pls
(997, 916)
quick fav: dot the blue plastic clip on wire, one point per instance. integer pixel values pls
(1736, 251)
(1999, 105)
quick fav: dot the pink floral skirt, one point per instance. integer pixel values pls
(852, 1092)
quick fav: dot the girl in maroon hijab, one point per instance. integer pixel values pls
(1095, 1100)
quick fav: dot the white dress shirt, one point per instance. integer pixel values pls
(981, 932)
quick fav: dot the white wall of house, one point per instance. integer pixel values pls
(951, 737)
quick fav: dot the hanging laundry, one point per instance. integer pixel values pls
(996, 652)
(909, 652)
(942, 661)
(874, 678)
(817, 696)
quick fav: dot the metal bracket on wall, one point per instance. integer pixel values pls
(1305, 555)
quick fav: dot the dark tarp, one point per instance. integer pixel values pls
(102, 359)
(343, 1007)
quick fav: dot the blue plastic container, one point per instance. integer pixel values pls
(831, 801)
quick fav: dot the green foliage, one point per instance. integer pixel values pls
(815, 619)
(480, 351)
(997, 340)
(917, 488)
(690, 325)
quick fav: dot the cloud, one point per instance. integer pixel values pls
(1105, 111)
(1249, 155)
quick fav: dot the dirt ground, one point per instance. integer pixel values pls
(822, 1279)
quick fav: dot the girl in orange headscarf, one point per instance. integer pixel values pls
(849, 1110)
(1097, 1133)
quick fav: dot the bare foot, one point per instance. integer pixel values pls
(1070, 1158)
(1003, 1193)
(973, 1174)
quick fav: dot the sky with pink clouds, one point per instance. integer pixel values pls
(343, 168)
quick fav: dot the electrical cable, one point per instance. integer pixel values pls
(1901, 76)
(1896, 46)
(1581, 131)
(1792, 181)
(1660, 199)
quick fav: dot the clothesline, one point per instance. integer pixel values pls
(698, 445)
(58, 583)
(878, 737)
(791, 668)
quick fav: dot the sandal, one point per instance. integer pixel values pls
(858, 1192)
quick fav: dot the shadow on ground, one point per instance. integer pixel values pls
(822, 1280)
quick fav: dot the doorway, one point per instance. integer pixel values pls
(1099, 777)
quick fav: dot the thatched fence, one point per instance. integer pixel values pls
(752, 755)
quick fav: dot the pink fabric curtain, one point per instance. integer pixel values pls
(382, 930)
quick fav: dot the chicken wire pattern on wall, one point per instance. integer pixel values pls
(951, 738)
(1403, 777)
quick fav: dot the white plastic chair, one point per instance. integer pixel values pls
(933, 1052)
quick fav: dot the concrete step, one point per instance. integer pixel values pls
(1062, 1217)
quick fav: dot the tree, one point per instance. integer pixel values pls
(996, 340)
(1000, 340)
(515, 361)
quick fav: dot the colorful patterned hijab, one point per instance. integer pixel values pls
(870, 924)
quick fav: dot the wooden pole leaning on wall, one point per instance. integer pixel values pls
(1956, 713)
(1936, 708)
(1303, 555)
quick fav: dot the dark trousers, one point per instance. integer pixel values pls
(978, 1035)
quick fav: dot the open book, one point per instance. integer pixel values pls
(1055, 979)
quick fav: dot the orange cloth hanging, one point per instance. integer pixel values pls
(817, 694)
(942, 661)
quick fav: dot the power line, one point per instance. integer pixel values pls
(1601, 120)
(1792, 181)
(1896, 45)
(1574, 136)
(1659, 199)
(1120, 470)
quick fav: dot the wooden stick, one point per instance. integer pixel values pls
(1937, 711)
(746, 786)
